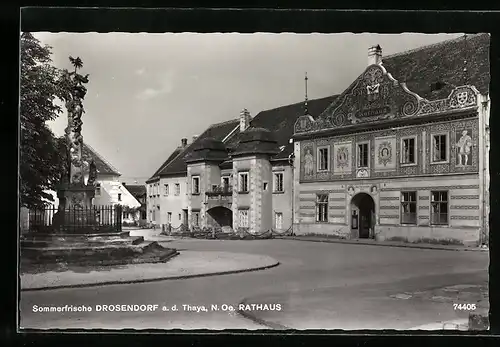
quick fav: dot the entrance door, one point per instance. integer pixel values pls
(363, 205)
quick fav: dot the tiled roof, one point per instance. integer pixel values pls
(280, 122)
(136, 190)
(102, 165)
(443, 62)
(172, 156)
(219, 131)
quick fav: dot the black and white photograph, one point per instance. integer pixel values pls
(254, 181)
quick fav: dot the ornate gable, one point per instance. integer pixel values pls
(376, 97)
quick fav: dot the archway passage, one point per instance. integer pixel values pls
(362, 216)
(220, 218)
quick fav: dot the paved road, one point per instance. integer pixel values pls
(318, 285)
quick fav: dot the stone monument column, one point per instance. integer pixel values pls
(76, 196)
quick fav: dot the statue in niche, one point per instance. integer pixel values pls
(464, 145)
(308, 163)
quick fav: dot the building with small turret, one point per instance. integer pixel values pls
(400, 154)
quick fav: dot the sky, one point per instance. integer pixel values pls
(147, 91)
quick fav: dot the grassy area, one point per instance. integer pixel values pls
(155, 255)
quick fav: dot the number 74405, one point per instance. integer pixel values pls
(464, 307)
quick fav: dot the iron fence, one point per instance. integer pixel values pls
(95, 219)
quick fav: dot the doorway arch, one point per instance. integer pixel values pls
(362, 216)
(220, 218)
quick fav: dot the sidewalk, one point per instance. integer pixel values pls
(187, 264)
(372, 242)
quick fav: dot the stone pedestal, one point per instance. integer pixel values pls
(75, 213)
(75, 195)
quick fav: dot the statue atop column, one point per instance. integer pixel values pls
(74, 193)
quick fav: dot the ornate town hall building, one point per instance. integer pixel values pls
(401, 154)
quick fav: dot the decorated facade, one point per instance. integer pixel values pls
(383, 162)
(401, 154)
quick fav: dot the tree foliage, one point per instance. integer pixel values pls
(42, 155)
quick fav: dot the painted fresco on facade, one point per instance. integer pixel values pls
(463, 148)
(342, 158)
(455, 131)
(308, 170)
(385, 154)
(387, 163)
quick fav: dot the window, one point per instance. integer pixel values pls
(98, 189)
(363, 155)
(125, 215)
(323, 159)
(178, 189)
(439, 207)
(322, 208)
(278, 220)
(196, 185)
(409, 207)
(243, 183)
(278, 182)
(408, 151)
(265, 186)
(166, 189)
(179, 216)
(143, 215)
(439, 148)
(119, 197)
(225, 183)
(243, 218)
(196, 219)
(169, 217)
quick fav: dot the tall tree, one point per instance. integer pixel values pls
(42, 159)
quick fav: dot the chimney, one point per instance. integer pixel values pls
(184, 142)
(374, 55)
(245, 119)
(195, 137)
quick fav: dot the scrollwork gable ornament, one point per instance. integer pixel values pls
(376, 97)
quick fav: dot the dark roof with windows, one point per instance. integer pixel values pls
(443, 64)
(431, 71)
(178, 166)
(102, 165)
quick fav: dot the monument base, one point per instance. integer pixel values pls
(75, 213)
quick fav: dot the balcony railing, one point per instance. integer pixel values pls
(220, 190)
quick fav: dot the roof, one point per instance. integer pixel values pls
(256, 140)
(218, 132)
(207, 149)
(418, 68)
(136, 190)
(280, 121)
(443, 62)
(102, 165)
(172, 156)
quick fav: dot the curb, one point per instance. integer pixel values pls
(260, 321)
(86, 285)
(386, 245)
